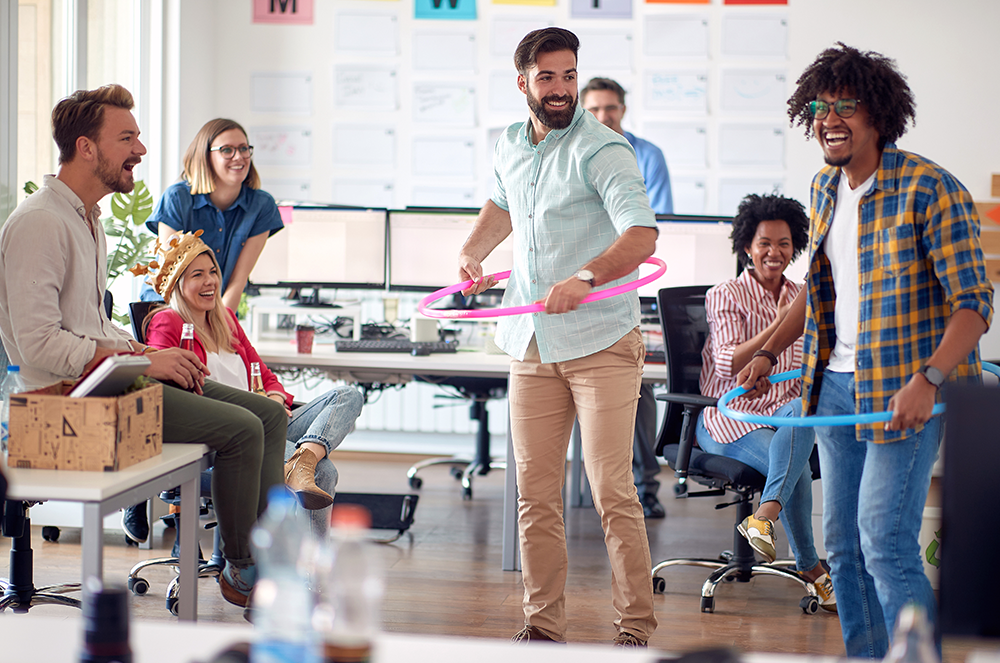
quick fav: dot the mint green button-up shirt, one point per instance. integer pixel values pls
(569, 198)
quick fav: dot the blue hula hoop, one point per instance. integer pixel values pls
(809, 422)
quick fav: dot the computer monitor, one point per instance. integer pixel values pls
(697, 250)
(326, 247)
(424, 246)
(970, 521)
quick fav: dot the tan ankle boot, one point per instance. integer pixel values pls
(300, 476)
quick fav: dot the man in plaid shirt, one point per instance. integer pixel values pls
(895, 302)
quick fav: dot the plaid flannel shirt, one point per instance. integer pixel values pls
(919, 260)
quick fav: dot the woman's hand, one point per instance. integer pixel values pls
(278, 398)
(753, 377)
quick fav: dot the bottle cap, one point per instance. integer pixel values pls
(280, 495)
(350, 516)
(13, 368)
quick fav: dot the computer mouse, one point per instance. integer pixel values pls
(420, 352)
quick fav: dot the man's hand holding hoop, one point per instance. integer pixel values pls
(470, 269)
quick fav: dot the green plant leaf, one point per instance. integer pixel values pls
(136, 206)
(30, 187)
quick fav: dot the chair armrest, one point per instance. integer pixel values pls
(688, 399)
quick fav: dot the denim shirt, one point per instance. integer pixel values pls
(654, 171)
(226, 232)
(569, 198)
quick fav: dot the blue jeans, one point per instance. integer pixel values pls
(782, 456)
(873, 503)
(326, 420)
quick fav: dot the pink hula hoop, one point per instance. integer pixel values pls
(528, 308)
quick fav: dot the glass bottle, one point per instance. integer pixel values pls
(256, 381)
(187, 336)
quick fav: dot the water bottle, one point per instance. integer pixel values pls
(350, 582)
(913, 638)
(12, 384)
(282, 602)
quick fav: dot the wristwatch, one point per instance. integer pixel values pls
(586, 275)
(933, 375)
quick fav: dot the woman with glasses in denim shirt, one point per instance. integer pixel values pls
(220, 194)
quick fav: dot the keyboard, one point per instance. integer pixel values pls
(396, 345)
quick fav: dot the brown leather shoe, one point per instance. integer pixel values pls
(530, 633)
(300, 476)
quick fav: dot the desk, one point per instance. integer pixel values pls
(262, 307)
(33, 638)
(105, 492)
(388, 367)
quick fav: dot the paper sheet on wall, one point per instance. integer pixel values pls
(754, 91)
(364, 145)
(444, 156)
(755, 35)
(430, 196)
(600, 9)
(288, 189)
(366, 34)
(678, 91)
(690, 193)
(684, 144)
(454, 105)
(445, 51)
(281, 146)
(605, 51)
(507, 33)
(364, 193)
(504, 97)
(752, 145)
(733, 189)
(461, 10)
(679, 36)
(365, 87)
(284, 92)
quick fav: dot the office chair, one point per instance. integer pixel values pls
(210, 568)
(478, 391)
(685, 328)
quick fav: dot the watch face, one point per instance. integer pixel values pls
(585, 275)
(933, 375)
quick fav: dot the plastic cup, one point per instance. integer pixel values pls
(304, 336)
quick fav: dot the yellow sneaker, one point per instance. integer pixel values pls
(760, 533)
(824, 592)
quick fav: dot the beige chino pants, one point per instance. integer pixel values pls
(601, 390)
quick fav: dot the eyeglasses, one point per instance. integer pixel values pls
(607, 109)
(843, 107)
(228, 151)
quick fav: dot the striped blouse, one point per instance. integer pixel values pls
(738, 310)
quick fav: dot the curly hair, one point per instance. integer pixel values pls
(753, 209)
(873, 78)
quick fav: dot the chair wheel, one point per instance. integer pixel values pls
(416, 483)
(457, 471)
(680, 489)
(172, 606)
(659, 585)
(467, 493)
(50, 533)
(809, 605)
(138, 586)
(708, 604)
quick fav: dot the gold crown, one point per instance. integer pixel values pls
(172, 260)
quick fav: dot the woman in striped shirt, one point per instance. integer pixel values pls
(769, 232)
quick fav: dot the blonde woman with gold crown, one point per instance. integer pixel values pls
(187, 276)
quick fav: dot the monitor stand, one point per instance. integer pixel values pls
(310, 301)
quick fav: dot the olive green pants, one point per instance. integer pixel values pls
(247, 434)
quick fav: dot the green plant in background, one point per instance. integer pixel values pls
(124, 229)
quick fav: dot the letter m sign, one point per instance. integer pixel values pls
(285, 12)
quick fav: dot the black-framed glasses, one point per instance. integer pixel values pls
(228, 151)
(845, 108)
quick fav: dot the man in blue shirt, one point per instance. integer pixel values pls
(569, 191)
(605, 98)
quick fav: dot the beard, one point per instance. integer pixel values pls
(841, 162)
(552, 119)
(115, 178)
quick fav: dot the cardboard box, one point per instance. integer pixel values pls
(54, 432)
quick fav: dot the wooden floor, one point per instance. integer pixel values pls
(446, 578)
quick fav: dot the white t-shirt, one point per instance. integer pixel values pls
(841, 247)
(227, 369)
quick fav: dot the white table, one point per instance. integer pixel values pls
(105, 492)
(32, 638)
(388, 367)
